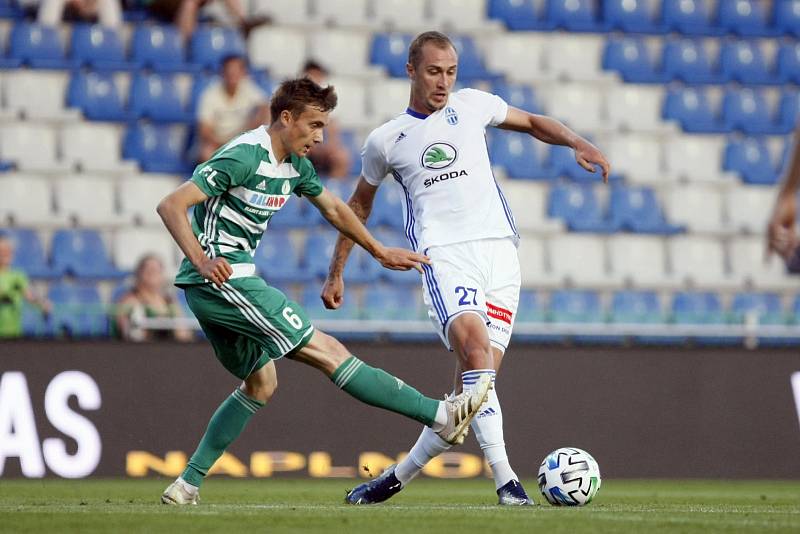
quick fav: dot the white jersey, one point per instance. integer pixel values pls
(442, 163)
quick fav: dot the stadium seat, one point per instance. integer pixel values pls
(746, 110)
(505, 52)
(765, 306)
(400, 15)
(796, 309)
(694, 158)
(27, 201)
(580, 259)
(77, 310)
(157, 97)
(82, 253)
(576, 105)
(391, 303)
(580, 306)
(749, 266)
(98, 47)
(786, 16)
(91, 147)
(460, 15)
(31, 146)
(636, 157)
(788, 62)
(691, 109)
(750, 158)
(744, 17)
(698, 260)
(209, 45)
(139, 196)
(532, 308)
(519, 95)
(360, 268)
(98, 96)
(636, 209)
(71, 195)
(749, 208)
(519, 15)
(630, 57)
(159, 48)
(690, 17)
(631, 16)
(30, 93)
(579, 59)
(200, 83)
(29, 256)
(574, 15)
(533, 263)
(577, 205)
(637, 307)
(636, 108)
(277, 260)
(389, 98)
(743, 61)
(389, 206)
(34, 323)
(788, 111)
(528, 201)
(687, 60)
(282, 12)
(390, 50)
(39, 47)
(343, 13)
(638, 260)
(700, 308)
(343, 52)
(351, 109)
(697, 206)
(394, 238)
(560, 161)
(312, 304)
(157, 148)
(518, 156)
(470, 62)
(129, 245)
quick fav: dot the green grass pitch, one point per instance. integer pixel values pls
(462, 506)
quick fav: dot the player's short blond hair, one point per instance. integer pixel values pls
(437, 38)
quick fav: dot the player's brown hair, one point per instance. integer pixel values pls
(295, 95)
(437, 38)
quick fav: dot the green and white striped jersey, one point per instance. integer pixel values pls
(246, 186)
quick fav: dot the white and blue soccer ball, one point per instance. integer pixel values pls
(569, 477)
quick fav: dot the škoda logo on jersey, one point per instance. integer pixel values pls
(438, 156)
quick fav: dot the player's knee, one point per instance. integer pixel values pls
(262, 391)
(336, 353)
(475, 355)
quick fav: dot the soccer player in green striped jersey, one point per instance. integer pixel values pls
(249, 323)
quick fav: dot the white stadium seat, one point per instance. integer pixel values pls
(580, 259)
(699, 261)
(343, 52)
(638, 259)
(292, 12)
(28, 200)
(459, 15)
(400, 15)
(637, 157)
(133, 243)
(749, 265)
(38, 94)
(139, 196)
(578, 105)
(348, 13)
(698, 206)
(89, 201)
(389, 98)
(749, 208)
(635, 108)
(533, 263)
(528, 203)
(31, 146)
(520, 56)
(93, 146)
(351, 110)
(575, 57)
(695, 157)
(280, 50)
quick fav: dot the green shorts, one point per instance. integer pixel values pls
(248, 322)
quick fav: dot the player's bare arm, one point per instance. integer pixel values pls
(172, 210)
(781, 235)
(343, 219)
(361, 203)
(551, 131)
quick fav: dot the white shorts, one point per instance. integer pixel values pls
(480, 277)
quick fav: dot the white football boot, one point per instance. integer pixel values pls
(179, 493)
(462, 408)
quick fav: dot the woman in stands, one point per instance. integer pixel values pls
(148, 298)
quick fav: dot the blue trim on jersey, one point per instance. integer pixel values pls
(506, 209)
(410, 221)
(436, 296)
(416, 114)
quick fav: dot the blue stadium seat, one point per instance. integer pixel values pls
(291, 215)
(700, 308)
(209, 45)
(391, 51)
(796, 309)
(160, 48)
(767, 310)
(533, 309)
(630, 16)
(384, 302)
(82, 253)
(38, 46)
(29, 255)
(10, 10)
(745, 17)
(98, 47)
(574, 15)
(393, 238)
(278, 261)
(629, 57)
(77, 310)
(519, 15)
(636, 209)
(517, 155)
(34, 323)
(341, 188)
(389, 207)
(689, 17)
(519, 95)
(97, 96)
(639, 307)
(688, 61)
(561, 162)
(747, 110)
(200, 82)
(578, 207)
(470, 62)
(580, 306)
(156, 97)
(788, 63)
(157, 147)
(742, 61)
(263, 80)
(351, 142)
(786, 16)
(360, 268)
(691, 109)
(750, 158)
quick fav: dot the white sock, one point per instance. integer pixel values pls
(441, 417)
(186, 486)
(428, 446)
(488, 428)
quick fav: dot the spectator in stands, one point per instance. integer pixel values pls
(782, 235)
(107, 12)
(330, 158)
(184, 14)
(14, 289)
(148, 299)
(230, 106)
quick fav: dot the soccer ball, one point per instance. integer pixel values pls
(569, 477)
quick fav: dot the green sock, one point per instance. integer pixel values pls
(378, 388)
(225, 426)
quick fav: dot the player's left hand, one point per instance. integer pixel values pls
(587, 155)
(400, 259)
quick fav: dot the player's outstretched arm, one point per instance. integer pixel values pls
(172, 210)
(781, 236)
(554, 132)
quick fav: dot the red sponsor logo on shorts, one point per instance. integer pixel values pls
(501, 314)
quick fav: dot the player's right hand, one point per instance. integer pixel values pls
(333, 292)
(218, 270)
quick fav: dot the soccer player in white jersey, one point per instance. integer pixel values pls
(456, 214)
